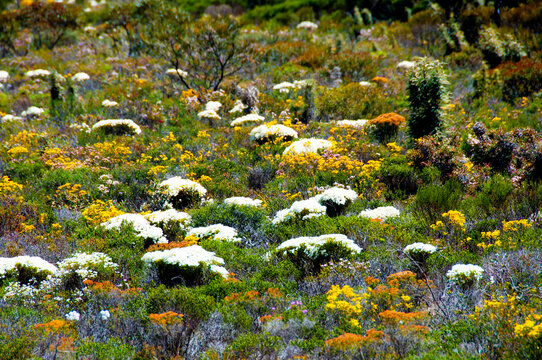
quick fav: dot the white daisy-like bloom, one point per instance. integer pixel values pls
(133, 128)
(313, 245)
(213, 106)
(405, 65)
(86, 265)
(142, 227)
(4, 76)
(209, 114)
(266, 131)
(238, 106)
(250, 118)
(39, 73)
(419, 248)
(10, 118)
(284, 87)
(357, 124)
(299, 84)
(176, 72)
(216, 232)
(305, 146)
(80, 77)
(366, 84)
(337, 195)
(243, 201)
(462, 274)
(193, 255)
(105, 314)
(16, 290)
(307, 25)
(175, 185)
(73, 316)
(169, 216)
(302, 209)
(381, 213)
(32, 111)
(109, 103)
(9, 264)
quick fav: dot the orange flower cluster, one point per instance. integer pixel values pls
(170, 245)
(248, 296)
(396, 317)
(380, 80)
(107, 286)
(51, 326)
(388, 120)
(167, 318)
(349, 340)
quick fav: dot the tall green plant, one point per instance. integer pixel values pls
(427, 90)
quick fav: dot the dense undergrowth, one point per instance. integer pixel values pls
(297, 181)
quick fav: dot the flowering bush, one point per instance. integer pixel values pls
(465, 275)
(181, 192)
(216, 232)
(26, 269)
(265, 133)
(300, 210)
(117, 127)
(307, 146)
(381, 213)
(140, 225)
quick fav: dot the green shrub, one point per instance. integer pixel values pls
(426, 92)
(113, 349)
(522, 78)
(433, 200)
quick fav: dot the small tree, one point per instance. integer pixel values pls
(427, 90)
(208, 49)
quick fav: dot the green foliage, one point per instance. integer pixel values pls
(250, 345)
(433, 200)
(426, 92)
(18, 348)
(113, 349)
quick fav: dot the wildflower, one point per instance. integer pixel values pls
(80, 77)
(39, 73)
(188, 256)
(302, 209)
(243, 201)
(405, 65)
(118, 126)
(176, 185)
(73, 316)
(307, 25)
(109, 103)
(28, 262)
(213, 106)
(32, 112)
(380, 213)
(356, 124)
(313, 246)
(85, 265)
(238, 106)
(209, 115)
(270, 132)
(307, 146)
(166, 217)
(366, 84)
(105, 314)
(176, 72)
(140, 224)
(250, 118)
(419, 248)
(215, 232)
(462, 274)
(9, 118)
(284, 87)
(4, 76)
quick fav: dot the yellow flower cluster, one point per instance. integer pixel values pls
(17, 151)
(345, 300)
(100, 211)
(56, 159)
(455, 218)
(71, 192)
(529, 328)
(8, 187)
(515, 225)
(113, 151)
(508, 238)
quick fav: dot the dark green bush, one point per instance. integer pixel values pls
(433, 200)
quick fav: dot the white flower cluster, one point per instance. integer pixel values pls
(10, 264)
(86, 265)
(9, 118)
(366, 84)
(108, 103)
(356, 124)
(213, 106)
(73, 316)
(141, 225)
(337, 195)
(238, 106)
(405, 65)
(4, 76)
(80, 77)
(176, 72)
(381, 213)
(267, 132)
(307, 25)
(462, 274)
(32, 111)
(112, 123)
(303, 209)
(247, 119)
(243, 201)
(39, 73)
(216, 232)
(313, 245)
(304, 146)
(285, 86)
(175, 185)
(16, 290)
(166, 217)
(193, 255)
(419, 248)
